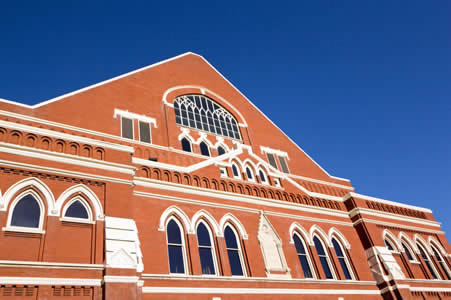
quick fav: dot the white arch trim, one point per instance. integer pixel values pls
(29, 182)
(324, 237)
(434, 243)
(203, 90)
(16, 200)
(185, 134)
(418, 239)
(334, 232)
(78, 220)
(86, 191)
(210, 221)
(295, 227)
(174, 210)
(403, 237)
(387, 234)
(229, 218)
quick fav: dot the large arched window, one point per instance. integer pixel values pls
(206, 250)
(342, 258)
(442, 263)
(407, 251)
(26, 212)
(303, 256)
(323, 258)
(234, 251)
(427, 261)
(176, 249)
(201, 112)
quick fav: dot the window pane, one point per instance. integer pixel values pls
(249, 173)
(272, 160)
(235, 264)
(283, 164)
(235, 171)
(408, 254)
(173, 232)
(298, 244)
(26, 213)
(319, 246)
(337, 248)
(221, 151)
(176, 259)
(326, 268)
(262, 176)
(230, 238)
(144, 132)
(77, 210)
(305, 266)
(427, 262)
(206, 260)
(388, 245)
(127, 128)
(186, 145)
(344, 266)
(203, 236)
(204, 149)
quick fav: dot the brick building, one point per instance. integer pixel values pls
(168, 183)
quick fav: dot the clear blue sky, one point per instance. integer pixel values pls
(362, 86)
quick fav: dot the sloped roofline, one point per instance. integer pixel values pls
(157, 64)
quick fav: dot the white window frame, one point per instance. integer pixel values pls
(150, 131)
(134, 116)
(329, 262)
(16, 200)
(426, 252)
(264, 174)
(346, 258)
(252, 173)
(307, 252)
(191, 143)
(133, 128)
(284, 158)
(240, 250)
(223, 171)
(213, 248)
(392, 244)
(90, 219)
(445, 267)
(208, 148)
(238, 169)
(182, 234)
(406, 245)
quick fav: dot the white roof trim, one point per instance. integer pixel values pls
(364, 197)
(133, 116)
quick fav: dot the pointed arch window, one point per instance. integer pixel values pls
(221, 150)
(77, 210)
(427, 261)
(407, 251)
(204, 149)
(206, 250)
(262, 176)
(202, 113)
(323, 258)
(186, 145)
(249, 174)
(342, 258)
(303, 256)
(234, 252)
(235, 171)
(26, 212)
(442, 263)
(176, 249)
(389, 245)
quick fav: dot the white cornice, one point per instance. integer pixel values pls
(387, 215)
(120, 279)
(50, 281)
(364, 197)
(133, 116)
(397, 225)
(49, 265)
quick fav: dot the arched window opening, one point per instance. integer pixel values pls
(175, 247)
(202, 113)
(250, 174)
(339, 251)
(442, 263)
(427, 261)
(304, 258)
(324, 259)
(233, 252)
(77, 210)
(262, 176)
(186, 145)
(221, 150)
(204, 150)
(26, 213)
(407, 251)
(206, 250)
(235, 170)
(389, 245)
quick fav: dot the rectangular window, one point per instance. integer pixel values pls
(144, 132)
(127, 128)
(272, 160)
(283, 164)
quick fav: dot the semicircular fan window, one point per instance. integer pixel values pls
(202, 113)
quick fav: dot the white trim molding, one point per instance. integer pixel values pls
(50, 281)
(133, 116)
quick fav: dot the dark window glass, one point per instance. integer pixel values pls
(127, 128)
(175, 248)
(283, 164)
(26, 213)
(233, 252)
(205, 250)
(186, 145)
(388, 245)
(77, 210)
(407, 252)
(249, 173)
(342, 259)
(221, 151)
(302, 255)
(442, 263)
(272, 160)
(427, 261)
(323, 257)
(235, 171)
(200, 112)
(204, 149)
(144, 132)
(262, 176)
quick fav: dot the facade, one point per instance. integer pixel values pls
(168, 183)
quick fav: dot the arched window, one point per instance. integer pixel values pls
(303, 256)
(176, 248)
(250, 174)
(186, 145)
(407, 251)
(342, 258)
(323, 257)
(235, 170)
(442, 263)
(234, 252)
(221, 150)
(77, 210)
(202, 113)
(206, 250)
(427, 261)
(26, 212)
(204, 150)
(389, 245)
